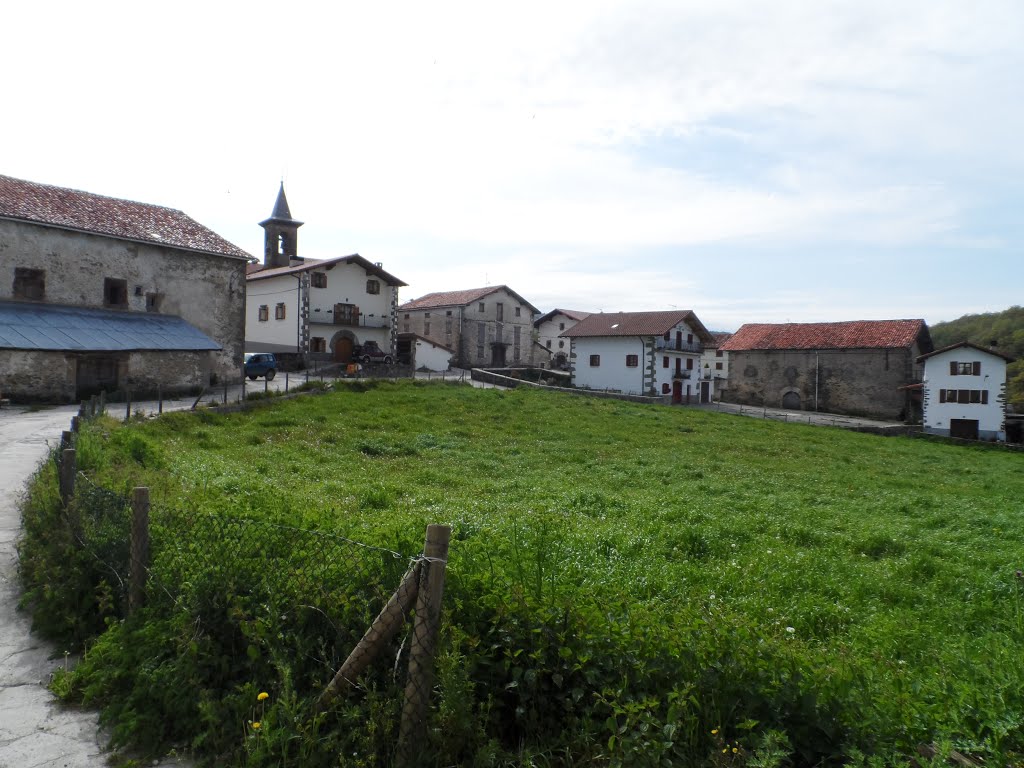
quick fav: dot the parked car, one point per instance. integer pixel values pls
(369, 352)
(260, 364)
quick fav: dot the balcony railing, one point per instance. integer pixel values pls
(678, 345)
(330, 317)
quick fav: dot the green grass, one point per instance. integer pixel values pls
(623, 579)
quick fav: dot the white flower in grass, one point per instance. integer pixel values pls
(790, 630)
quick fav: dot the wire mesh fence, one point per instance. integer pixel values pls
(270, 594)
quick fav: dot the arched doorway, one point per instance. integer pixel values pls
(791, 401)
(341, 346)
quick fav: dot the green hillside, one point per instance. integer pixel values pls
(1005, 328)
(628, 585)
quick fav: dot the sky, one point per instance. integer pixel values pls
(783, 161)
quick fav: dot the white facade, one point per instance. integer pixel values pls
(320, 307)
(965, 393)
(431, 356)
(548, 329)
(643, 364)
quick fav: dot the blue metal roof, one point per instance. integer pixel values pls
(81, 329)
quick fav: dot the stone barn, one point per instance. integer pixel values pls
(98, 293)
(861, 367)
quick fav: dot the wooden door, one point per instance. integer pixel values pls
(342, 349)
(705, 391)
(964, 428)
(677, 391)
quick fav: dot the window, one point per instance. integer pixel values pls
(964, 396)
(718, 366)
(115, 292)
(665, 389)
(664, 362)
(632, 361)
(318, 280)
(561, 326)
(279, 311)
(346, 314)
(153, 301)
(518, 313)
(448, 324)
(29, 283)
(964, 369)
(561, 344)
(549, 343)
(264, 313)
(448, 313)
(406, 328)
(689, 338)
(373, 286)
(426, 315)
(499, 310)
(426, 328)
(406, 315)
(719, 353)
(318, 343)
(481, 336)
(595, 361)
(689, 363)
(480, 306)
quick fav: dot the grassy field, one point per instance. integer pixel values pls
(635, 585)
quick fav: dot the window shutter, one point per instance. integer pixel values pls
(976, 368)
(942, 395)
(952, 367)
(984, 397)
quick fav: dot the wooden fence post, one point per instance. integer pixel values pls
(67, 476)
(67, 439)
(159, 398)
(101, 401)
(74, 422)
(127, 404)
(140, 548)
(424, 644)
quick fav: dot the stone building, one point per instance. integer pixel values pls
(861, 367)
(98, 293)
(487, 327)
(322, 307)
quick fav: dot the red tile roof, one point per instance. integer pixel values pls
(461, 298)
(637, 324)
(258, 272)
(86, 212)
(856, 334)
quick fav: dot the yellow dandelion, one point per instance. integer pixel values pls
(714, 731)
(262, 696)
(724, 751)
(734, 750)
(256, 725)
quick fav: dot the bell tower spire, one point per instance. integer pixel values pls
(281, 234)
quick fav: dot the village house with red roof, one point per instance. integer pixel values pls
(489, 327)
(103, 294)
(642, 353)
(860, 367)
(303, 308)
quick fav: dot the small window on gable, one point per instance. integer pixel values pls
(518, 314)
(561, 326)
(29, 283)
(264, 313)
(115, 292)
(595, 361)
(632, 361)
(719, 353)
(373, 286)
(689, 338)
(279, 311)
(318, 280)
(480, 306)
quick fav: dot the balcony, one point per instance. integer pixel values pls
(678, 345)
(329, 316)
(682, 374)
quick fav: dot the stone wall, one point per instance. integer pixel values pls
(864, 382)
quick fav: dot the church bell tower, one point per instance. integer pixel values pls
(281, 235)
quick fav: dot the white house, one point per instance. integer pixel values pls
(965, 392)
(549, 328)
(646, 353)
(423, 353)
(714, 361)
(318, 306)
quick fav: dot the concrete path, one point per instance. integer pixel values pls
(36, 731)
(818, 419)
